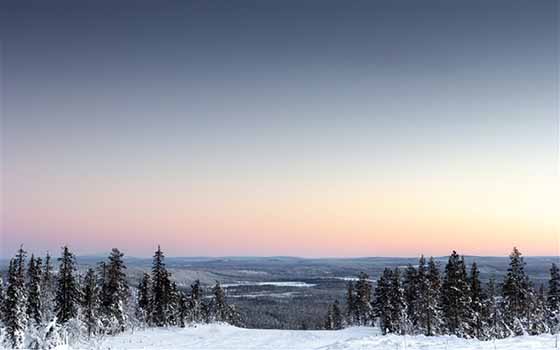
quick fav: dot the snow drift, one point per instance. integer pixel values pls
(225, 337)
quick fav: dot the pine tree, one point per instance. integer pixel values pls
(553, 300)
(90, 302)
(144, 299)
(433, 300)
(67, 293)
(363, 300)
(455, 297)
(15, 316)
(115, 292)
(161, 288)
(516, 294)
(34, 309)
(478, 325)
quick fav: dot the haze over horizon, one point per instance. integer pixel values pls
(104, 254)
(292, 128)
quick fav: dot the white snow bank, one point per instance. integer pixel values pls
(224, 337)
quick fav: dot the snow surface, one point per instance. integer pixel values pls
(225, 337)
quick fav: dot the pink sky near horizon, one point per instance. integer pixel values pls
(432, 216)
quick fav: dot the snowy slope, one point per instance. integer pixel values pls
(224, 337)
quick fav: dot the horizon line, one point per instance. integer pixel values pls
(104, 255)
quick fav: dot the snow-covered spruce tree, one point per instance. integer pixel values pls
(329, 319)
(465, 326)
(15, 316)
(101, 283)
(52, 335)
(220, 311)
(350, 304)
(144, 299)
(195, 303)
(206, 311)
(49, 336)
(5, 299)
(411, 294)
(455, 297)
(362, 301)
(47, 291)
(553, 300)
(131, 311)
(183, 311)
(338, 319)
(399, 318)
(496, 327)
(334, 319)
(382, 301)
(234, 317)
(34, 308)
(115, 293)
(2, 299)
(90, 303)
(433, 299)
(67, 294)
(173, 305)
(420, 303)
(478, 322)
(516, 295)
(537, 317)
(161, 287)
(219, 307)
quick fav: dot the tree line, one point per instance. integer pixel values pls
(41, 308)
(422, 300)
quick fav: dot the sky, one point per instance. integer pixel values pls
(304, 128)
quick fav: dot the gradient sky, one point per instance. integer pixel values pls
(309, 128)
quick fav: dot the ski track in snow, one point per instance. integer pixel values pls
(225, 337)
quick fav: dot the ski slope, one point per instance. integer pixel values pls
(225, 337)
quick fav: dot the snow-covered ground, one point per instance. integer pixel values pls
(225, 337)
